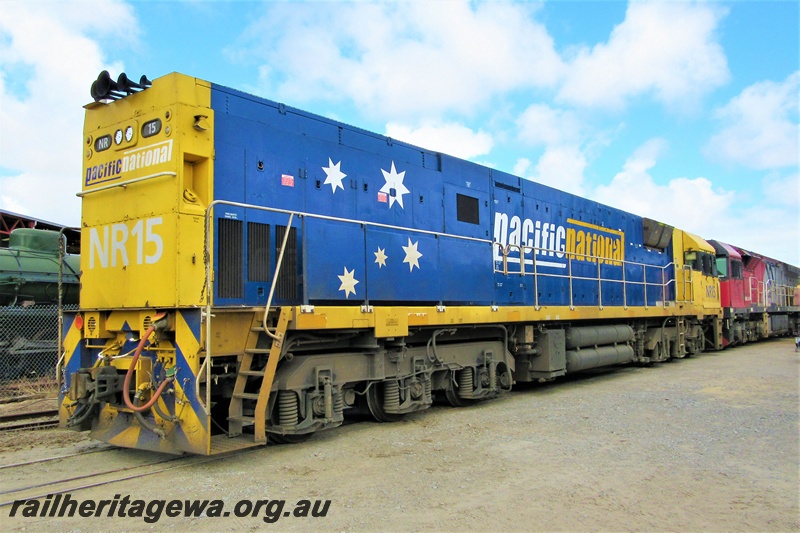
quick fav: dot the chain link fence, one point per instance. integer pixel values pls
(29, 351)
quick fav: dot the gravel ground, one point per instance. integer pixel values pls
(708, 443)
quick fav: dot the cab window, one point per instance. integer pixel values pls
(692, 259)
(722, 266)
(736, 269)
(702, 262)
(708, 265)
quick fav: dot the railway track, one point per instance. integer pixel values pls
(56, 458)
(96, 479)
(34, 420)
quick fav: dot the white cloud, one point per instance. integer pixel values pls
(771, 230)
(542, 124)
(405, 60)
(449, 138)
(48, 196)
(690, 204)
(521, 166)
(774, 224)
(763, 224)
(667, 49)
(563, 162)
(783, 190)
(47, 63)
(560, 166)
(760, 126)
(401, 60)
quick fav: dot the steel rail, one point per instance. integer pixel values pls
(56, 458)
(26, 416)
(92, 475)
(187, 462)
(40, 424)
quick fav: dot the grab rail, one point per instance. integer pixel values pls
(275, 279)
(124, 184)
(533, 251)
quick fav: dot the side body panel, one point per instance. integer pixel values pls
(390, 223)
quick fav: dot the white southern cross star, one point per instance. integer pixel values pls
(412, 255)
(349, 282)
(335, 175)
(394, 181)
(381, 257)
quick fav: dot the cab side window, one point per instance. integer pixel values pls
(707, 269)
(702, 262)
(722, 266)
(736, 269)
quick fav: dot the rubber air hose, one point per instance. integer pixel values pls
(129, 374)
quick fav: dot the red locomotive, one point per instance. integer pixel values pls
(752, 285)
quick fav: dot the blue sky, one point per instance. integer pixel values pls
(681, 111)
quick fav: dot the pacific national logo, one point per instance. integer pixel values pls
(555, 243)
(595, 244)
(131, 160)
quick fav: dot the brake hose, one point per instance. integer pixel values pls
(129, 374)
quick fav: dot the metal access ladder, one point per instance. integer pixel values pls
(681, 337)
(258, 377)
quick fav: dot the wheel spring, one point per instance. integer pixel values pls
(287, 408)
(428, 391)
(338, 403)
(391, 396)
(466, 383)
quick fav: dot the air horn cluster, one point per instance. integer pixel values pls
(105, 88)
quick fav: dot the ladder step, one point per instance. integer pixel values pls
(244, 420)
(257, 329)
(246, 395)
(223, 443)
(259, 373)
(256, 350)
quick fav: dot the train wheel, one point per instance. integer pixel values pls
(376, 399)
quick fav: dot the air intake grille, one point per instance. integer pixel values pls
(257, 252)
(287, 280)
(230, 277)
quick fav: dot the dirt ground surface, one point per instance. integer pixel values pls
(708, 443)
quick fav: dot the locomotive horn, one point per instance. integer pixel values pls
(104, 88)
(127, 85)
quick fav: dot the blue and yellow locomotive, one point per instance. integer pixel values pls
(252, 271)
